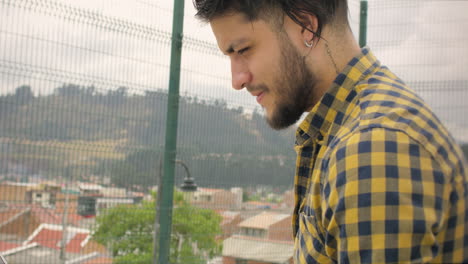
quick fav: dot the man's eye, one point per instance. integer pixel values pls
(241, 51)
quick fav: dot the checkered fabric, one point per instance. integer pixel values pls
(379, 179)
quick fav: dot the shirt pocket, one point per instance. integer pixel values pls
(309, 244)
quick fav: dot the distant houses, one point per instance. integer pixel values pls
(249, 250)
(32, 221)
(77, 240)
(262, 239)
(268, 225)
(217, 199)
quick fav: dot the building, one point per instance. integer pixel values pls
(43, 194)
(288, 199)
(230, 223)
(250, 250)
(259, 205)
(217, 199)
(265, 238)
(6, 246)
(12, 192)
(21, 220)
(90, 206)
(36, 253)
(113, 192)
(90, 188)
(268, 225)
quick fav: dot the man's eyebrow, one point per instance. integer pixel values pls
(234, 44)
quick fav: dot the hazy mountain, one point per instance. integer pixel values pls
(222, 146)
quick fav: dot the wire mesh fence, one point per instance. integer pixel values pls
(83, 102)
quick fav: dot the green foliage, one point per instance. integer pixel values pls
(144, 168)
(144, 258)
(24, 94)
(141, 168)
(127, 231)
(198, 225)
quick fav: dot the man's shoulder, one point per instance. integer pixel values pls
(386, 103)
(382, 92)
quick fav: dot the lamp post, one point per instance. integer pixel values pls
(165, 194)
(188, 185)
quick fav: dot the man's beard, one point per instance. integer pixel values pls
(295, 83)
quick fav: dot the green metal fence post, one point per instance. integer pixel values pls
(165, 209)
(363, 24)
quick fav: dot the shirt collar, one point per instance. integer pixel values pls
(332, 106)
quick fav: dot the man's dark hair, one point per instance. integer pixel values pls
(326, 11)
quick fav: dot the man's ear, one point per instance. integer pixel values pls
(309, 24)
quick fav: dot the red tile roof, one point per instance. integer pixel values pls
(46, 216)
(4, 246)
(51, 236)
(48, 238)
(263, 220)
(7, 214)
(75, 243)
(43, 215)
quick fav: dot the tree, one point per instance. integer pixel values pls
(117, 97)
(128, 232)
(69, 90)
(141, 167)
(24, 94)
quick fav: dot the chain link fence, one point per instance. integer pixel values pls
(83, 101)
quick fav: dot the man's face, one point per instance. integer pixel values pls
(268, 65)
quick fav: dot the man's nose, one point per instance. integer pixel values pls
(241, 76)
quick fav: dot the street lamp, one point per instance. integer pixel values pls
(189, 183)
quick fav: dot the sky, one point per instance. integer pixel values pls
(113, 43)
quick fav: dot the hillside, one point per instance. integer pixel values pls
(88, 132)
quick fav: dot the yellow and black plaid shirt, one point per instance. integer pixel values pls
(379, 179)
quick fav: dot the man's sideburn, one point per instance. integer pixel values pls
(294, 86)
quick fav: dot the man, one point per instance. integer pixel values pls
(379, 179)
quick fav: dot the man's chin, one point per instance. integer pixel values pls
(283, 118)
(278, 123)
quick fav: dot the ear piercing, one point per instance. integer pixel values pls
(309, 45)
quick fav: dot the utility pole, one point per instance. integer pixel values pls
(164, 215)
(363, 23)
(63, 256)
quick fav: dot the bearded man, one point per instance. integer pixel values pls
(379, 179)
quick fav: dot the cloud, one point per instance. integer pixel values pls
(128, 43)
(426, 41)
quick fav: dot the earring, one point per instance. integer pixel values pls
(309, 45)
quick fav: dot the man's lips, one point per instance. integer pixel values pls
(259, 96)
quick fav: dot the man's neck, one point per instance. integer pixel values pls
(344, 50)
(336, 52)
